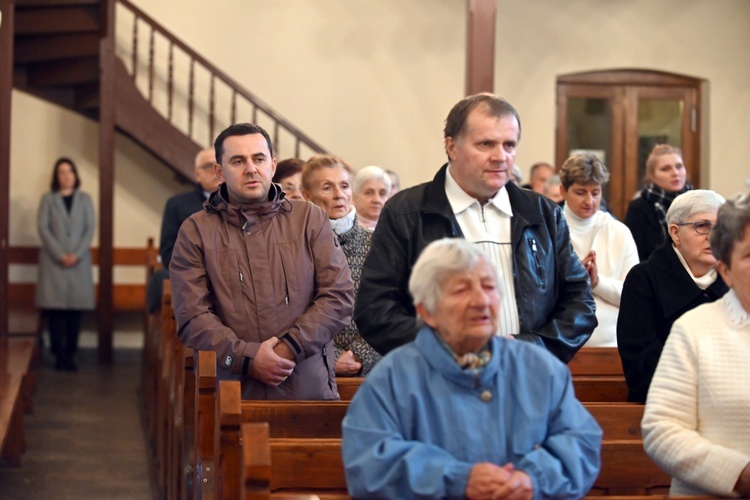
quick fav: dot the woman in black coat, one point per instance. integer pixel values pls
(646, 216)
(677, 277)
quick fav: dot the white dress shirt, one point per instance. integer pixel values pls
(488, 226)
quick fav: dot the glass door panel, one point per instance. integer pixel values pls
(659, 122)
(589, 130)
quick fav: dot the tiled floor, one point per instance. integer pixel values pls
(85, 439)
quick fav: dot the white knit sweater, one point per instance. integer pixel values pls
(696, 425)
(616, 254)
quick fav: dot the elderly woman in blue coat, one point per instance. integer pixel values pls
(461, 412)
(65, 286)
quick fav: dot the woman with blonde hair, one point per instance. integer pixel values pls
(666, 178)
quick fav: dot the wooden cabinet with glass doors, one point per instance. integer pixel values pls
(621, 114)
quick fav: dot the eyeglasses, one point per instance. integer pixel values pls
(701, 227)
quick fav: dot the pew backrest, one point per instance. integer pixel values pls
(297, 419)
(596, 361)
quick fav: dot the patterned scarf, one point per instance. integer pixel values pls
(662, 200)
(470, 360)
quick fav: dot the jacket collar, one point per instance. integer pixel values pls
(248, 214)
(680, 290)
(436, 201)
(442, 362)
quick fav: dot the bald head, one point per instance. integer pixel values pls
(204, 170)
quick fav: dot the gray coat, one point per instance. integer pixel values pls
(62, 233)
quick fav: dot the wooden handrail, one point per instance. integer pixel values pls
(215, 73)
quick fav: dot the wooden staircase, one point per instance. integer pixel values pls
(57, 58)
(62, 49)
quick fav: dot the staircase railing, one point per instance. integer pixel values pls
(175, 84)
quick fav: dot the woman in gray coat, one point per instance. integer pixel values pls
(65, 287)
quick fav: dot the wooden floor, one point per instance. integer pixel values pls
(85, 438)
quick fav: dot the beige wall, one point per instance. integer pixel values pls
(372, 80)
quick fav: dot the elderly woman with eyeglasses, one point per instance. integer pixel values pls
(679, 276)
(461, 412)
(695, 425)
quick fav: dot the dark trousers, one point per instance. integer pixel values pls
(64, 327)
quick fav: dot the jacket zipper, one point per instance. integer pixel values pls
(539, 271)
(286, 283)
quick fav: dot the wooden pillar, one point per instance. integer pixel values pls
(480, 46)
(106, 182)
(6, 95)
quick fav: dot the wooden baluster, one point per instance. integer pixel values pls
(191, 92)
(135, 46)
(170, 82)
(151, 66)
(212, 103)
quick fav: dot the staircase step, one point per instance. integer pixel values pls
(50, 47)
(87, 96)
(75, 19)
(65, 72)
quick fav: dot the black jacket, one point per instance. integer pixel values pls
(555, 306)
(654, 295)
(643, 221)
(178, 208)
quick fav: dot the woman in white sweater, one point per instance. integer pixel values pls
(695, 425)
(604, 245)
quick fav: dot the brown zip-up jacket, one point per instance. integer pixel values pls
(241, 274)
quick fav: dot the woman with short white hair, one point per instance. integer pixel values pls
(695, 422)
(370, 190)
(461, 412)
(679, 276)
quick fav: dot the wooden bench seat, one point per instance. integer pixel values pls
(18, 355)
(12, 438)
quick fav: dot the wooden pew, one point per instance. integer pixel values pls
(12, 438)
(297, 419)
(204, 468)
(257, 468)
(601, 361)
(17, 384)
(618, 420)
(595, 389)
(597, 375)
(292, 440)
(18, 355)
(589, 388)
(272, 465)
(323, 470)
(348, 386)
(627, 470)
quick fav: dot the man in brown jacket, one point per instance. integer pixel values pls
(260, 279)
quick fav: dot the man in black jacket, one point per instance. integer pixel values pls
(546, 295)
(178, 208)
